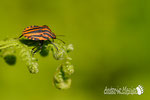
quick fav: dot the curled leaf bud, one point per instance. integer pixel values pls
(68, 58)
(68, 69)
(59, 55)
(62, 76)
(58, 78)
(31, 62)
(63, 85)
(70, 48)
(33, 67)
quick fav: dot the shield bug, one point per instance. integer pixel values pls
(39, 33)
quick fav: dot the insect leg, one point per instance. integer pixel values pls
(40, 44)
(20, 36)
(34, 48)
(60, 40)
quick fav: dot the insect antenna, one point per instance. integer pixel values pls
(60, 35)
(61, 40)
(54, 45)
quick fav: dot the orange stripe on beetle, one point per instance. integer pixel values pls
(38, 33)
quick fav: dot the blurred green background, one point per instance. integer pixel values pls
(111, 48)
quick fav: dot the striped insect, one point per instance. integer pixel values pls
(39, 33)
